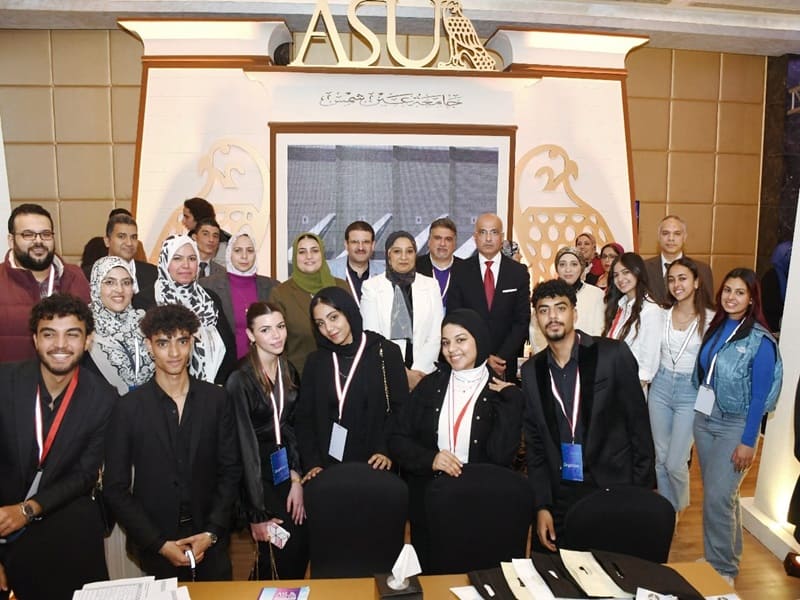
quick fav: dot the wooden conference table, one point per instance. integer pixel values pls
(434, 587)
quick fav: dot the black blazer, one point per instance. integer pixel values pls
(658, 284)
(146, 274)
(138, 437)
(495, 430)
(510, 316)
(74, 461)
(255, 426)
(618, 445)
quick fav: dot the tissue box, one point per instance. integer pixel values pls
(382, 589)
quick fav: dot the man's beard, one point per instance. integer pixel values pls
(556, 337)
(26, 261)
(61, 370)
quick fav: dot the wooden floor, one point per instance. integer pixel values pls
(761, 575)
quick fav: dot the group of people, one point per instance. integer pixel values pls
(411, 366)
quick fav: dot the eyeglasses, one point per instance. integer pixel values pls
(112, 283)
(486, 233)
(29, 235)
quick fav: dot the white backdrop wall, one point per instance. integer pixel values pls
(205, 132)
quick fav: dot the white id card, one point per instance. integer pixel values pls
(705, 399)
(338, 440)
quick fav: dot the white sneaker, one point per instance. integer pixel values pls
(728, 579)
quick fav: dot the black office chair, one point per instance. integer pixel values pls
(356, 520)
(627, 519)
(478, 519)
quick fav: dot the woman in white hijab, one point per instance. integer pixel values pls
(118, 351)
(240, 285)
(214, 352)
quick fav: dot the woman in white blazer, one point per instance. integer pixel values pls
(405, 307)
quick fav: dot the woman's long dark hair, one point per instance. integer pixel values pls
(701, 300)
(634, 263)
(255, 310)
(754, 313)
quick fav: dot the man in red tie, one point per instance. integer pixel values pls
(497, 288)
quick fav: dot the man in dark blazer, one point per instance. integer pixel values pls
(440, 260)
(671, 239)
(585, 421)
(178, 434)
(50, 528)
(122, 240)
(508, 314)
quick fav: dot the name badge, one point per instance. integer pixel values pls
(705, 399)
(280, 465)
(572, 462)
(338, 440)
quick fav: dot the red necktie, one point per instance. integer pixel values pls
(488, 284)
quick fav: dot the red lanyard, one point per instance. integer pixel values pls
(51, 435)
(469, 402)
(612, 332)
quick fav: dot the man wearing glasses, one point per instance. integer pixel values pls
(31, 271)
(497, 288)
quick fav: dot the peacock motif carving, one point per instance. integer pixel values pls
(545, 173)
(466, 49)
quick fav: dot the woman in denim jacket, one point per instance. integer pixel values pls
(739, 373)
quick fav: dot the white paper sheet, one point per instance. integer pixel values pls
(515, 582)
(592, 578)
(466, 592)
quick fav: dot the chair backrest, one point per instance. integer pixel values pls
(356, 520)
(627, 519)
(477, 519)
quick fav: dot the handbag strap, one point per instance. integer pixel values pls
(385, 381)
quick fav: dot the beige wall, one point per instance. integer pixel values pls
(696, 134)
(69, 105)
(69, 102)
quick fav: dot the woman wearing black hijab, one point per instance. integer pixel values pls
(460, 413)
(353, 387)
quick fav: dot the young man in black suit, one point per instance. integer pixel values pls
(178, 434)
(497, 288)
(53, 417)
(585, 420)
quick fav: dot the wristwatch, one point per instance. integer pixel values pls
(27, 510)
(212, 537)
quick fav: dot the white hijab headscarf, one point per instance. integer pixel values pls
(244, 231)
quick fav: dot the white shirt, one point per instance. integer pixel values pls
(673, 341)
(646, 343)
(665, 261)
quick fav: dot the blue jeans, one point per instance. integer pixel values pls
(715, 438)
(671, 405)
